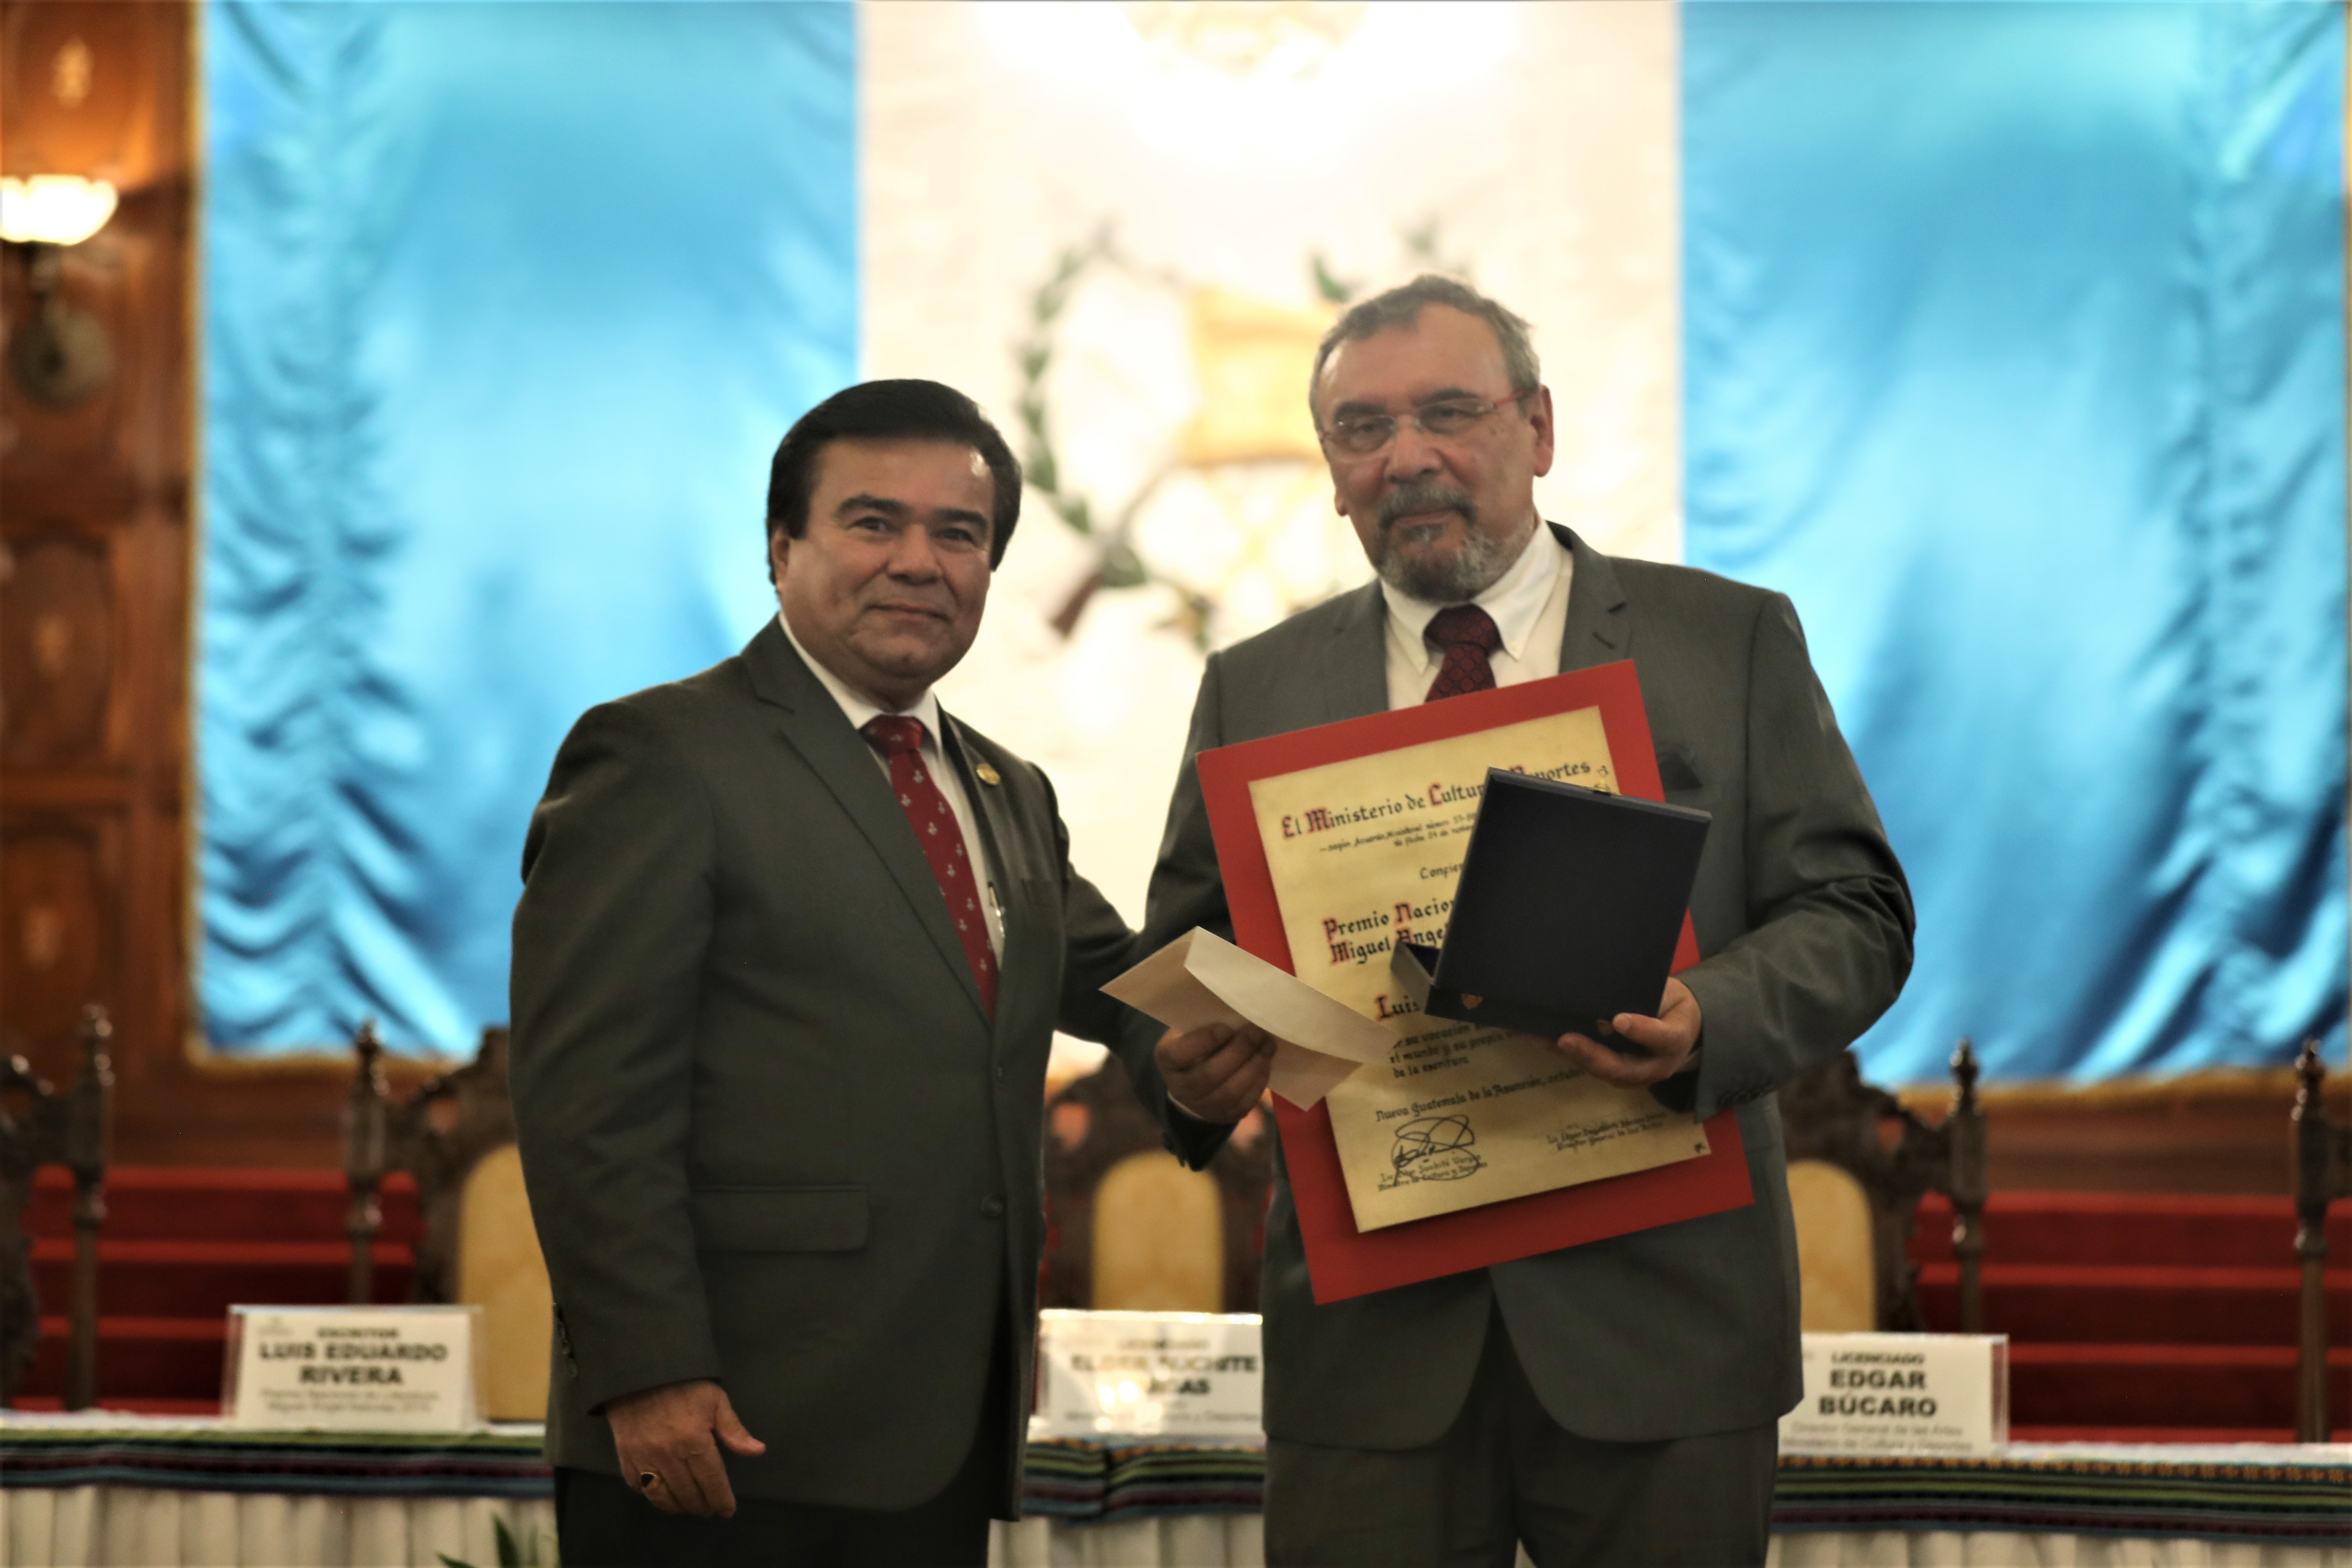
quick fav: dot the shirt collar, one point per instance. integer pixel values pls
(1515, 601)
(857, 708)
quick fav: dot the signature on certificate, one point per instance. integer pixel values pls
(1433, 1149)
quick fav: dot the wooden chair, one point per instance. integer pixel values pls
(2322, 1172)
(1859, 1163)
(455, 1137)
(1128, 1227)
(366, 1129)
(53, 1128)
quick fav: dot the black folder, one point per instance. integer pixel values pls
(1567, 911)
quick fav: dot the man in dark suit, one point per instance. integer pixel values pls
(792, 947)
(1615, 1403)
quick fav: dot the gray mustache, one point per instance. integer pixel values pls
(1406, 500)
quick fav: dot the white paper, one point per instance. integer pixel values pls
(1901, 1394)
(353, 1369)
(1200, 979)
(1172, 1374)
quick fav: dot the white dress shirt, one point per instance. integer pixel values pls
(925, 709)
(1528, 604)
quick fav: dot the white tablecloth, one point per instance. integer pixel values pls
(2003, 1549)
(116, 1522)
(1210, 1540)
(146, 1527)
(137, 1527)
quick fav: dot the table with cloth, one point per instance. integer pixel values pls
(2057, 1505)
(100, 1488)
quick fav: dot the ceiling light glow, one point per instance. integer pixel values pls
(53, 209)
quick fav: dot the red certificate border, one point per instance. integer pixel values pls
(1341, 1260)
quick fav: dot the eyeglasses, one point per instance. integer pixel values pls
(1361, 434)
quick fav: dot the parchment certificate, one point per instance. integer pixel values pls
(1365, 853)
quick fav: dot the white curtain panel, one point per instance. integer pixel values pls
(1540, 141)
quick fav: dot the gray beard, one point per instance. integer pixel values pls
(1477, 566)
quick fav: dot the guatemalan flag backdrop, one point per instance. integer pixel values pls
(2007, 339)
(505, 305)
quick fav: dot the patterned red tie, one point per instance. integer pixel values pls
(900, 738)
(1467, 634)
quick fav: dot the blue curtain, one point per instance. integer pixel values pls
(2014, 353)
(506, 306)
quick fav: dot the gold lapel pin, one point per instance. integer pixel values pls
(987, 774)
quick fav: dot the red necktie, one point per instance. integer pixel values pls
(900, 738)
(1467, 634)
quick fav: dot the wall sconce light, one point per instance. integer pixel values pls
(60, 354)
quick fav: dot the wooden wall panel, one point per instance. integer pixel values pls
(93, 532)
(61, 945)
(58, 651)
(103, 85)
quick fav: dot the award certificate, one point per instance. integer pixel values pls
(1364, 853)
(1279, 915)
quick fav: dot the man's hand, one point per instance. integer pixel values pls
(1665, 1043)
(1217, 1072)
(666, 1432)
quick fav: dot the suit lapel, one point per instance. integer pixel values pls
(1598, 629)
(1356, 663)
(812, 724)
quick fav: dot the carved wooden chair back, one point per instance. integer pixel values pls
(2322, 1172)
(53, 1126)
(438, 1136)
(1859, 1163)
(1127, 1226)
(455, 1136)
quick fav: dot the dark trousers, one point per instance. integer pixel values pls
(601, 1523)
(1507, 1473)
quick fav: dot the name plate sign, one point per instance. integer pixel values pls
(1177, 1375)
(353, 1369)
(1901, 1394)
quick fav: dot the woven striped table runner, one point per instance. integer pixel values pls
(2240, 1492)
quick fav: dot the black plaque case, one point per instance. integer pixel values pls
(1567, 911)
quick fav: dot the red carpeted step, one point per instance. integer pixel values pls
(2142, 1304)
(2148, 1386)
(134, 1406)
(2129, 1313)
(2206, 1230)
(2143, 1316)
(178, 1248)
(172, 1203)
(139, 1358)
(205, 1279)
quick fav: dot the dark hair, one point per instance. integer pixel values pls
(889, 411)
(1401, 307)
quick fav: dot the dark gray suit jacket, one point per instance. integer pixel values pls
(1804, 928)
(769, 1135)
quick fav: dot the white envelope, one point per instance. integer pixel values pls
(1200, 978)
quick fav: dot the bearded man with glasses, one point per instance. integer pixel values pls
(1618, 1402)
